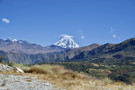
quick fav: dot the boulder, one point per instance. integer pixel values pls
(19, 70)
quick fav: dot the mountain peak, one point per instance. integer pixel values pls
(13, 40)
(67, 41)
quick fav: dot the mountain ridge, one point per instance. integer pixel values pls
(109, 53)
(24, 58)
(20, 46)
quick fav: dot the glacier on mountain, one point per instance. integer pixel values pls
(67, 42)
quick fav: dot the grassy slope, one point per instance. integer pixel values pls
(124, 73)
(67, 79)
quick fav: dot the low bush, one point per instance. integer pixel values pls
(39, 69)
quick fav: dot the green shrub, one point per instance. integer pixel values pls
(2, 60)
(123, 78)
(12, 64)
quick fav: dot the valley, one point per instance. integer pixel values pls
(114, 61)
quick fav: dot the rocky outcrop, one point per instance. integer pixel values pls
(5, 67)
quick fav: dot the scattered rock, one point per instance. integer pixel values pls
(12, 82)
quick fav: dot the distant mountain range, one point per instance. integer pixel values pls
(20, 46)
(24, 58)
(26, 53)
(20, 51)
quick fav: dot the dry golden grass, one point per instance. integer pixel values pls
(69, 80)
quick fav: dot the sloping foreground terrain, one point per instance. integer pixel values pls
(37, 77)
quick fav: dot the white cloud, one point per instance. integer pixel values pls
(66, 36)
(82, 37)
(114, 36)
(5, 20)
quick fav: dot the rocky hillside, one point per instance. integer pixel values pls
(123, 52)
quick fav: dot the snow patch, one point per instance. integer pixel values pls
(14, 40)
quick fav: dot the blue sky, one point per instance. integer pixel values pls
(88, 21)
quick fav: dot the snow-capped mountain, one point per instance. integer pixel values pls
(17, 41)
(66, 42)
(13, 40)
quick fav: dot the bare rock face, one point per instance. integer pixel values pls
(5, 67)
